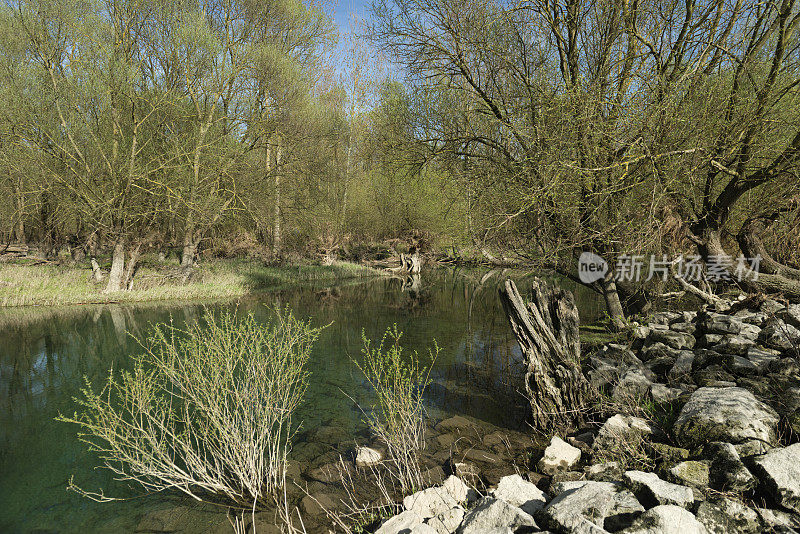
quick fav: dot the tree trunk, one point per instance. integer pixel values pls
(547, 330)
(711, 245)
(116, 275)
(276, 220)
(19, 227)
(613, 303)
(751, 246)
(97, 272)
(131, 268)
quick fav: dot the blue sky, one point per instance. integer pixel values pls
(343, 10)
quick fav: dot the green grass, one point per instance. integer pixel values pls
(23, 284)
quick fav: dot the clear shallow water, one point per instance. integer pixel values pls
(44, 355)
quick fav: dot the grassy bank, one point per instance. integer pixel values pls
(23, 284)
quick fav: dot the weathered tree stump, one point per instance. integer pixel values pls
(547, 329)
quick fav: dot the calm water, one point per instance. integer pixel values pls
(45, 354)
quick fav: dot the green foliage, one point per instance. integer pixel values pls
(398, 414)
(206, 411)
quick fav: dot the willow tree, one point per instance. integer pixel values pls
(88, 81)
(579, 120)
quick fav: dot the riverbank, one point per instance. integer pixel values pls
(30, 284)
(695, 431)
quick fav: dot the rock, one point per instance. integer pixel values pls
(725, 516)
(777, 520)
(691, 473)
(652, 491)
(625, 508)
(457, 489)
(430, 502)
(366, 456)
(486, 457)
(732, 344)
(667, 519)
(658, 349)
(751, 447)
(423, 528)
(729, 414)
(711, 340)
(447, 522)
(779, 472)
(784, 367)
(666, 317)
(559, 456)
(663, 394)
(466, 471)
(685, 328)
(317, 503)
(791, 315)
(727, 473)
(634, 383)
(717, 323)
(740, 365)
(660, 365)
(454, 424)
(433, 476)
(620, 429)
(667, 453)
(490, 513)
(671, 338)
(518, 492)
(582, 509)
(558, 488)
(682, 369)
(604, 472)
(404, 521)
(779, 335)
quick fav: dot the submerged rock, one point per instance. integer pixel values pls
(366, 456)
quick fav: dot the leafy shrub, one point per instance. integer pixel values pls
(206, 411)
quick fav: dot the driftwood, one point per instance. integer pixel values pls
(547, 329)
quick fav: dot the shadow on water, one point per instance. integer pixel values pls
(45, 353)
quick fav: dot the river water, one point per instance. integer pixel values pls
(45, 354)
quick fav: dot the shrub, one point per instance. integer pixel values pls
(207, 410)
(398, 414)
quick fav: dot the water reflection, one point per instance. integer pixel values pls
(45, 355)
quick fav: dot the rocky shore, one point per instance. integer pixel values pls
(704, 441)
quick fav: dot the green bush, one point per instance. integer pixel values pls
(206, 410)
(398, 413)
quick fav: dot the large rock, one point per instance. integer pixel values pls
(491, 513)
(733, 344)
(779, 471)
(430, 502)
(667, 519)
(728, 414)
(619, 430)
(728, 472)
(691, 473)
(670, 338)
(517, 491)
(447, 522)
(717, 323)
(457, 489)
(559, 456)
(625, 508)
(779, 335)
(581, 509)
(726, 516)
(402, 522)
(634, 384)
(652, 491)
